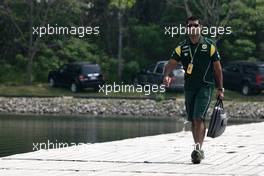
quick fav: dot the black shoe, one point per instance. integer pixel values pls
(197, 156)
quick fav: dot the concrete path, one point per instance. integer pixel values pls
(240, 151)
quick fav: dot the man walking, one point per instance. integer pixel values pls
(201, 62)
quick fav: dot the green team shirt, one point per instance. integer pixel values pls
(202, 73)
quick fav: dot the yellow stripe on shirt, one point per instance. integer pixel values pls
(178, 50)
(212, 51)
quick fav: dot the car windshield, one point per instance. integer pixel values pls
(87, 69)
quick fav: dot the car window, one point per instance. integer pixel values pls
(160, 68)
(151, 68)
(249, 69)
(87, 69)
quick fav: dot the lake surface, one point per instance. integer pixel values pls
(20, 134)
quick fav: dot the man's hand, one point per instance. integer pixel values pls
(220, 94)
(167, 81)
(168, 69)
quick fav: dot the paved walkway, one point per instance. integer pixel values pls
(240, 151)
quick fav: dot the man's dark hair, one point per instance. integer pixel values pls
(193, 18)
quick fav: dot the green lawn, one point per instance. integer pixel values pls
(45, 90)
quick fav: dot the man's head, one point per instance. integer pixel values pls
(193, 25)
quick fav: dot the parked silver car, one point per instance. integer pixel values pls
(154, 74)
(177, 79)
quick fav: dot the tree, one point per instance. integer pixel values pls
(243, 16)
(26, 14)
(246, 23)
(121, 6)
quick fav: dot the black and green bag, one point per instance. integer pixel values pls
(218, 120)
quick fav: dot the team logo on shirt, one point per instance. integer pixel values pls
(204, 46)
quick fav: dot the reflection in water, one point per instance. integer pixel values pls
(18, 133)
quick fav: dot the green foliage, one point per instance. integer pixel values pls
(159, 97)
(241, 49)
(21, 61)
(109, 67)
(148, 45)
(130, 71)
(46, 61)
(144, 41)
(245, 19)
(72, 50)
(122, 4)
(10, 75)
(76, 49)
(148, 40)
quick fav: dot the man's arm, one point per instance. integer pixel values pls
(175, 57)
(168, 69)
(219, 79)
(170, 66)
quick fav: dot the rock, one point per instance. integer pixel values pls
(115, 107)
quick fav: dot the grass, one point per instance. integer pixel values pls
(45, 90)
(237, 96)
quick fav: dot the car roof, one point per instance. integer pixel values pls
(160, 62)
(250, 63)
(165, 62)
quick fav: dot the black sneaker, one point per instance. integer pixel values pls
(197, 156)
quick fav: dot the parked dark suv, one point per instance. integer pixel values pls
(77, 76)
(245, 76)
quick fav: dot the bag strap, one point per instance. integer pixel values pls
(219, 102)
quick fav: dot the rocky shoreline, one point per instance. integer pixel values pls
(119, 107)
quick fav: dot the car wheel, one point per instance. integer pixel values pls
(246, 89)
(52, 82)
(96, 88)
(74, 88)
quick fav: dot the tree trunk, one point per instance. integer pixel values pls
(29, 66)
(120, 45)
(30, 48)
(187, 8)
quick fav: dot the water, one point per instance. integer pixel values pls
(20, 134)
